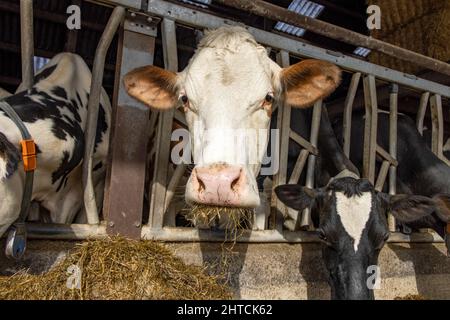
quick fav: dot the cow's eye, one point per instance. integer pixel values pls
(184, 99)
(269, 98)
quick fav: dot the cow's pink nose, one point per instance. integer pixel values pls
(218, 184)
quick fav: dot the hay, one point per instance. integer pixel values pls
(230, 219)
(421, 26)
(117, 268)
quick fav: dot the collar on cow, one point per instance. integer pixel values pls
(28, 158)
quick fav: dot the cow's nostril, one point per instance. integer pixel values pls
(234, 183)
(201, 186)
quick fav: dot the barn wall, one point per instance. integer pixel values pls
(283, 271)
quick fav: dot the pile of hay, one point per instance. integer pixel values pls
(117, 268)
(422, 26)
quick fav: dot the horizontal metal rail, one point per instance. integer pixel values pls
(84, 231)
(202, 20)
(278, 13)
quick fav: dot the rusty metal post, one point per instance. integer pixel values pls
(160, 176)
(315, 126)
(370, 128)
(90, 204)
(26, 44)
(348, 106)
(393, 116)
(125, 181)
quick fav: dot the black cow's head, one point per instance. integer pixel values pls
(353, 227)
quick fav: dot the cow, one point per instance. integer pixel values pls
(54, 111)
(419, 170)
(230, 84)
(350, 215)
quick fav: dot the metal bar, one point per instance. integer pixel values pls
(386, 156)
(382, 176)
(437, 121)
(393, 115)
(85, 231)
(315, 126)
(203, 20)
(348, 106)
(90, 204)
(277, 13)
(284, 126)
(370, 128)
(26, 44)
(303, 142)
(299, 165)
(173, 184)
(422, 111)
(160, 175)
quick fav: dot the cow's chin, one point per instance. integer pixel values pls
(223, 218)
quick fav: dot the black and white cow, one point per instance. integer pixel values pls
(350, 216)
(419, 170)
(54, 111)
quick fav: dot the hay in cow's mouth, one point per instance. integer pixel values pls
(117, 268)
(230, 219)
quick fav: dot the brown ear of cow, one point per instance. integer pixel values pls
(308, 81)
(153, 86)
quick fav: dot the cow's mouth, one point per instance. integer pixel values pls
(217, 217)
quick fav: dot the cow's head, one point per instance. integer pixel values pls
(353, 227)
(230, 87)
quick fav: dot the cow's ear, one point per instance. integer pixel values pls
(409, 208)
(296, 196)
(308, 81)
(153, 86)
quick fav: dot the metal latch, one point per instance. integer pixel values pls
(16, 241)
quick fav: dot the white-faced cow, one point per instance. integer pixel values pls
(54, 111)
(230, 84)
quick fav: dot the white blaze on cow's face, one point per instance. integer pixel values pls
(227, 92)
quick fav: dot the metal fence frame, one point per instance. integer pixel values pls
(162, 189)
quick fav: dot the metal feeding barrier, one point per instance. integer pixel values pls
(133, 122)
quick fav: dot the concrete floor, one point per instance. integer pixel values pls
(283, 271)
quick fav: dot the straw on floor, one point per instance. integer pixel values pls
(117, 268)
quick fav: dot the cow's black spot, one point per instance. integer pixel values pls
(44, 73)
(10, 153)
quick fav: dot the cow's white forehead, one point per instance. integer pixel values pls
(228, 61)
(354, 213)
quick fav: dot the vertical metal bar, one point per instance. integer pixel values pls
(370, 128)
(437, 120)
(382, 176)
(422, 111)
(348, 106)
(315, 126)
(173, 184)
(393, 116)
(90, 203)
(284, 125)
(160, 175)
(26, 44)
